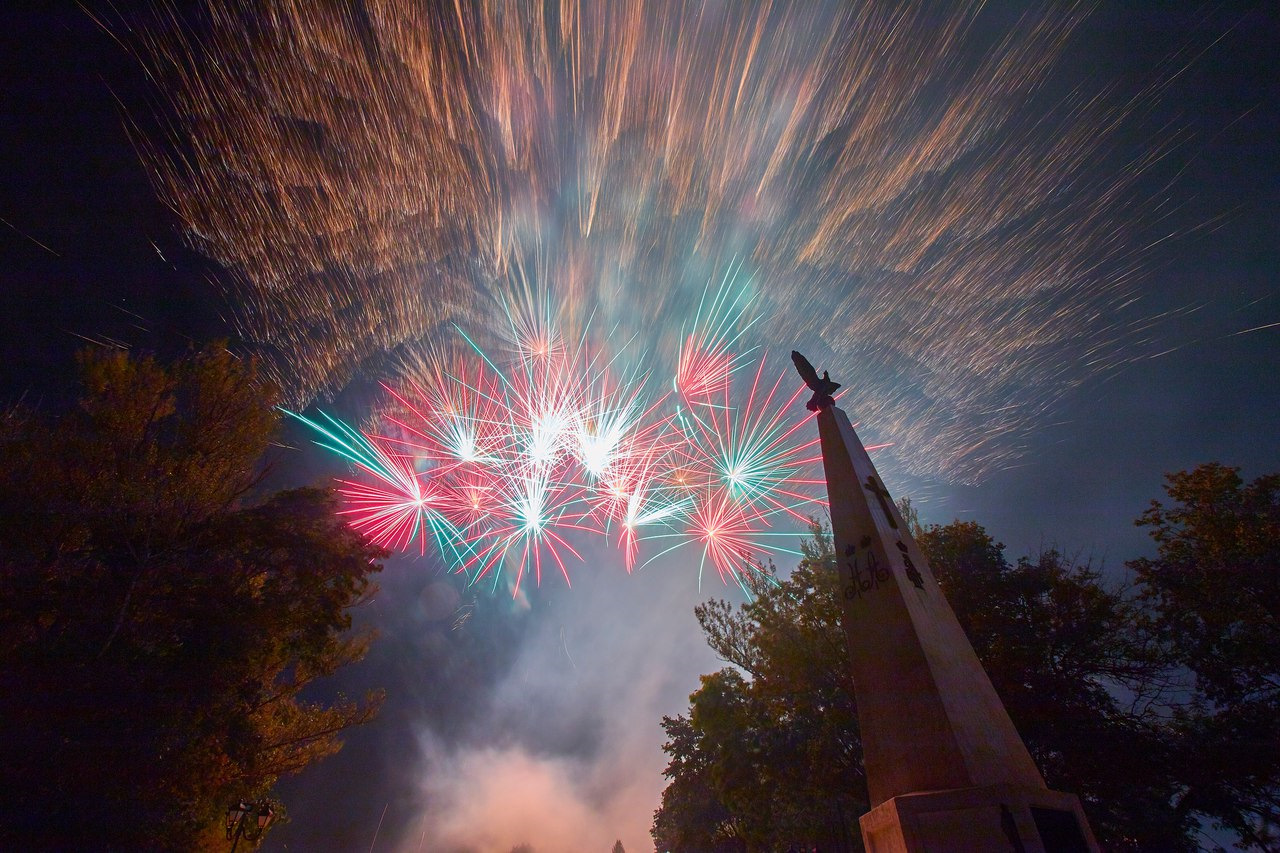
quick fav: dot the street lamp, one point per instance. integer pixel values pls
(248, 820)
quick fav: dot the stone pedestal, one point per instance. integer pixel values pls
(979, 820)
(946, 770)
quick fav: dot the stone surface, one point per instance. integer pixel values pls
(946, 770)
(929, 717)
(977, 820)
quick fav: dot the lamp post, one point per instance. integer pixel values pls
(248, 820)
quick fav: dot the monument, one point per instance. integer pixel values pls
(946, 769)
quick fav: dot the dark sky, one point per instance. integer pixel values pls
(86, 252)
(1215, 393)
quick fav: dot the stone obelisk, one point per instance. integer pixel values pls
(946, 769)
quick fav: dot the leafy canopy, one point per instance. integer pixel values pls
(769, 757)
(157, 626)
(1213, 594)
(769, 754)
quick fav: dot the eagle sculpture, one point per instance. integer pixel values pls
(821, 388)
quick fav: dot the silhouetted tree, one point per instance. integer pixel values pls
(1083, 682)
(691, 816)
(1213, 592)
(770, 748)
(157, 628)
(772, 759)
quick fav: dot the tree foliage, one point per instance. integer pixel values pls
(1093, 676)
(1213, 592)
(771, 759)
(1082, 680)
(157, 627)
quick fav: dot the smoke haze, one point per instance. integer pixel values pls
(578, 764)
(535, 721)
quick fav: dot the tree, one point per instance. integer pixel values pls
(158, 627)
(1213, 593)
(771, 747)
(773, 759)
(618, 848)
(1083, 682)
(691, 816)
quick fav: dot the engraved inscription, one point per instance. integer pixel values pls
(865, 572)
(882, 495)
(912, 572)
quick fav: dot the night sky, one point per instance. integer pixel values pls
(549, 714)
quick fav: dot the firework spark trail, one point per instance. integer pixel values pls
(400, 507)
(896, 183)
(507, 462)
(752, 449)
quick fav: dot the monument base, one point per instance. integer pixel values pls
(976, 820)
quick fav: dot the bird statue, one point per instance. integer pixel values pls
(821, 388)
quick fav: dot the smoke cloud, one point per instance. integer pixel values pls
(532, 719)
(566, 756)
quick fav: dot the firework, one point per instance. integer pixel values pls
(895, 185)
(399, 506)
(509, 464)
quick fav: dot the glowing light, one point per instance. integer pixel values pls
(505, 467)
(895, 180)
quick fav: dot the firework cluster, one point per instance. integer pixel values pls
(918, 196)
(504, 461)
